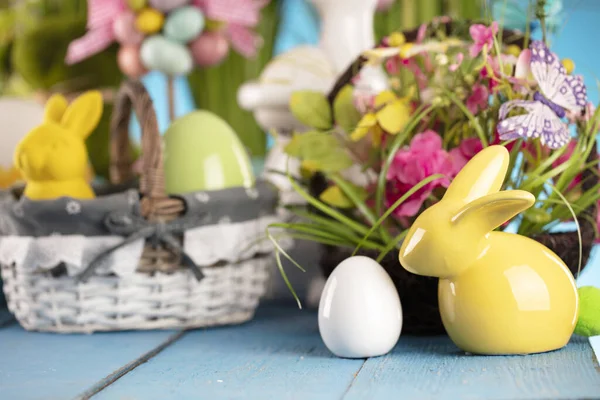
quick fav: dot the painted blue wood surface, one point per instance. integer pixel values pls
(52, 366)
(280, 356)
(422, 368)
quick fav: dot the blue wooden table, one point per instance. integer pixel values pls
(279, 355)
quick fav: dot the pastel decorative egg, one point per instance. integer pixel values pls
(136, 5)
(168, 5)
(167, 56)
(124, 29)
(209, 49)
(128, 59)
(360, 314)
(202, 152)
(149, 21)
(184, 24)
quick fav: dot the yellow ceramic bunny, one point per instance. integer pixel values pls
(499, 293)
(52, 158)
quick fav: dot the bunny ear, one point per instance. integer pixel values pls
(483, 174)
(55, 108)
(83, 114)
(489, 212)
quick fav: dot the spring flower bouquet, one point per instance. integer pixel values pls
(373, 160)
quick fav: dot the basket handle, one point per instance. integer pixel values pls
(132, 96)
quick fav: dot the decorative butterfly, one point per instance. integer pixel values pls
(559, 92)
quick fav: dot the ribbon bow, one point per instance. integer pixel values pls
(240, 16)
(135, 228)
(100, 35)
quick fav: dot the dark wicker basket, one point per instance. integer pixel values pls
(419, 293)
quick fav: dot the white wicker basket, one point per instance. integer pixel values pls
(228, 294)
(137, 259)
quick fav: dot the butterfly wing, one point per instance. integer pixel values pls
(538, 121)
(555, 133)
(526, 125)
(565, 90)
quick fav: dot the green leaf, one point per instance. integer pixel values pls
(319, 151)
(344, 112)
(588, 323)
(335, 161)
(312, 145)
(537, 216)
(312, 109)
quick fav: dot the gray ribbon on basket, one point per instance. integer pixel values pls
(135, 227)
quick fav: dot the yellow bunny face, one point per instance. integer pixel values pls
(53, 158)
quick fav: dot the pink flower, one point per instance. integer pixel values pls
(478, 100)
(392, 65)
(465, 151)
(363, 100)
(383, 5)
(566, 156)
(459, 59)
(586, 116)
(482, 36)
(424, 157)
(523, 68)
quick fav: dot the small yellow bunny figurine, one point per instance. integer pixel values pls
(499, 293)
(52, 158)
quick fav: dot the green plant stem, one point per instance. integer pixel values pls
(419, 115)
(391, 245)
(396, 204)
(476, 125)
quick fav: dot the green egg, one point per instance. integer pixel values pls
(202, 152)
(165, 55)
(184, 24)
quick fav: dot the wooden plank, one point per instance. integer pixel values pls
(6, 318)
(279, 355)
(54, 366)
(433, 368)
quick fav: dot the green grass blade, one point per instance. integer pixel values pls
(397, 204)
(391, 245)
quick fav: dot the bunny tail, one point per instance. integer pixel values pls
(588, 323)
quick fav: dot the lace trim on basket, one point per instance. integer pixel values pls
(207, 245)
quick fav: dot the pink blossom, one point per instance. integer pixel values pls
(383, 5)
(523, 67)
(465, 151)
(392, 65)
(566, 156)
(482, 36)
(421, 33)
(586, 116)
(478, 100)
(459, 59)
(424, 157)
(363, 100)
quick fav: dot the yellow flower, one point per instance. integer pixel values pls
(569, 65)
(513, 50)
(391, 115)
(396, 39)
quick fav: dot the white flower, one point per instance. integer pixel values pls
(73, 207)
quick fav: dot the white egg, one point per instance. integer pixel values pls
(360, 314)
